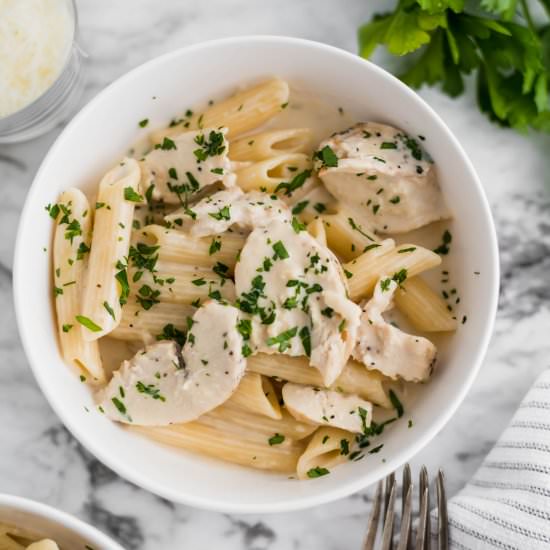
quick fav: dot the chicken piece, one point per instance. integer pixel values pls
(178, 169)
(383, 347)
(216, 213)
(327, 408)
(162, 385)
(385, 173)
(294, 290)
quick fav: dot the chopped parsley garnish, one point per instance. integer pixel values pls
(53, 210)
(400, 276)
(173, 173)
(327, 312)
(150, 390)
(244, 327)
(344, 447)
(215, 246)
(277, 439)
(319, 207)
(403, 250)
(388, 145)
(222, 214)
(280, 251)
(199, 282)
(283, 339)
(143, 123)
(121, 407)
(327, 157)
(131, 195)
(166, 145)
(370, 247)
(83, 248)
(296, 182)
(109, 309)
(122, 278)
(147, 297)
(305, 336)
(73, 230)
(363, 415)
(88, 323)
(443, 249)
(299, 208)
(211, 147)
(396, 403)
(358, 228)
(395, 200)
(57, 291)
(348, 274)
(246, 351)
(317, 472)
(376, 449)
(297, 225)
(67, 328)
(218, 171)
(170, 332)
(385, 284)
(221, 270)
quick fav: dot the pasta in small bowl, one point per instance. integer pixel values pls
(29, 525)
(247, 285)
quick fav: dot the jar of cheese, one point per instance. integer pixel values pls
(40, 66)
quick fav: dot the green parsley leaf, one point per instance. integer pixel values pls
(317, 472)
(131, 195)
(277, 439)
(88, 323)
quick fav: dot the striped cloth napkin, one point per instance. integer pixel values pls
(506, 505)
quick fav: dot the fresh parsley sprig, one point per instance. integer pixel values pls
(497, 40)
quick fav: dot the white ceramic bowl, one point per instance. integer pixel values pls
(47, 522)
(101, 133)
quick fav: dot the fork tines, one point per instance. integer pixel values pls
(388, 492)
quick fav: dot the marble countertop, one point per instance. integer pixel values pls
(38, 457)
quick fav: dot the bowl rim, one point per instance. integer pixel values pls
(60, 517)
(354, 484)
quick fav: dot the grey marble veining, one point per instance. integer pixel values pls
(39, 459)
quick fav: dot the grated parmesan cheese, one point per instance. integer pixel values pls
(35, 40)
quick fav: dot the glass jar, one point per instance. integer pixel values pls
(56, 102)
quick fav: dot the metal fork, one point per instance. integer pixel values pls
(386, 495)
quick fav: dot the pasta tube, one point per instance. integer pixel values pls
(423, 307)
(256, 394)
(266, 145)
(268, 174)
(327, 448)
(118, 194)
(71, 245)
(355, 378)
(364, 271)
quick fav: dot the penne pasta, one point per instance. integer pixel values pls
(268, 174)
(118, 193)
(221, 444)
(423, 307)
(70, 249)
(317, 229)
(176, 246)
(327, 448)
(182, 286)
(140, 324)
(255, 393)
(250, 425)
(347, 238)
(242, 112)
(364, 271)
(269, 144)
(355, 378)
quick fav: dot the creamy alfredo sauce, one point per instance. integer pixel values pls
(324, 117)
(35, 40)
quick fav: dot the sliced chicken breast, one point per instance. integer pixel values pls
(177, 169)
(382, 346)
(385, 173)
(218, 212)
(294, 292)
(327, 408)
(162, 385)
